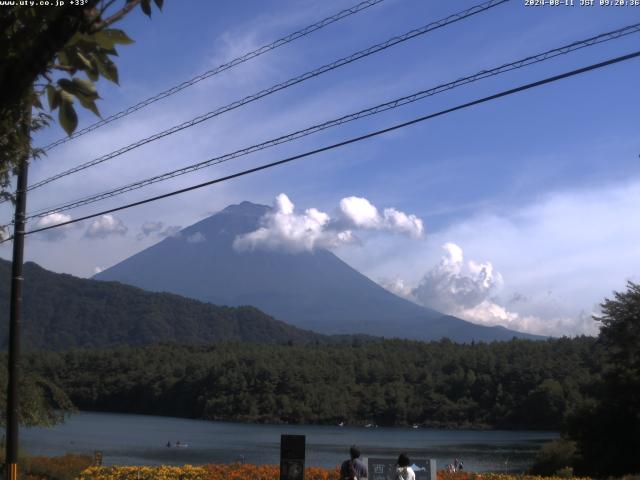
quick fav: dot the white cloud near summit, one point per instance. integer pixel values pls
(284, 229)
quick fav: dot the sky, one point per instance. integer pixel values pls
(520, 212)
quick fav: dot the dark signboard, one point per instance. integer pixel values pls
(385, 469)
(292, 448)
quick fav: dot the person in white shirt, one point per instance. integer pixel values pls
(403, 470)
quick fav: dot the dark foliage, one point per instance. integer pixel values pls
(65, 467)
(41, 401)
(607, 427)
(509, 384)
(554, 457)
(61, 311)
(41, 45)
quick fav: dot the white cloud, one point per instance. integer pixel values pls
(55, 233)
(196, 238)
(397, 286)
(97, 270)
(469, 291)
(105, 226)
(566, 253)
(401, 222)
(283, 229)
(362, 214)
(158, 230)
(491, 313)
(148, 228)
(452, 285)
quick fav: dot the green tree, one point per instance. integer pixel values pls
(44, 50)
(58, 52)
(42, 402)
(607, 428)
(553, 457)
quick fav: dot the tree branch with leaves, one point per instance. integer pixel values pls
(58, 52)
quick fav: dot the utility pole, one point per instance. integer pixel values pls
(11, 458)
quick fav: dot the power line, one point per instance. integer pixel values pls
(281, 86)
(220, 68)
(565, 49)
(349, 141)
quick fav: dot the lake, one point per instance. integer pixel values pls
(142, 439)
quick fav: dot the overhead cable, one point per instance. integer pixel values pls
(220, 68)
(376, 133)
(530, 60)
(280, 86)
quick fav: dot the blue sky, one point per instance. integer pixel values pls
(539, 191)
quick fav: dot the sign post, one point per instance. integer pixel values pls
(292, 451)
(385, 469)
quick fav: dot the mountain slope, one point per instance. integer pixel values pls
(61, 311)
(315, 291)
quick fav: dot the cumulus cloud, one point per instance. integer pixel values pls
(157, 230)
(284, 229)
(469, 291)
(491, 313)
(397, 286)
(560, 256)
(105, 226)
(196, 238)
(362, 214)
(452, 284)
(55, 233)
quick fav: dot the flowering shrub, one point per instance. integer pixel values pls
(65, 467)
(187, 472)
(263, 472)
(206, 472)
(443, 475)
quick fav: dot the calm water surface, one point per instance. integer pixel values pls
(142, 439)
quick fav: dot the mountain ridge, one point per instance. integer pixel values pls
(61, 311)
(312, 290)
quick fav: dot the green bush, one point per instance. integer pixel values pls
(66, 467)
(555, 459)
(565, 472)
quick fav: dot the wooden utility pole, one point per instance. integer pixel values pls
(11, 458)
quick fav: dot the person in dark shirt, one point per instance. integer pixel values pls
(353, 468)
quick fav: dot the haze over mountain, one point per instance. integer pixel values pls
(311, 290)
(61, 311)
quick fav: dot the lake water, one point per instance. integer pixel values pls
(142, 440)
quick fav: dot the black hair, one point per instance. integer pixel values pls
(403, 460)
(354, 452)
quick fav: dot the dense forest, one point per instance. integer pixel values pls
(516, 384)
(586, 387)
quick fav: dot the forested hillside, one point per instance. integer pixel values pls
(523, 384)
(62, 311)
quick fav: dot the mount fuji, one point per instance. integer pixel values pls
(311, 290)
